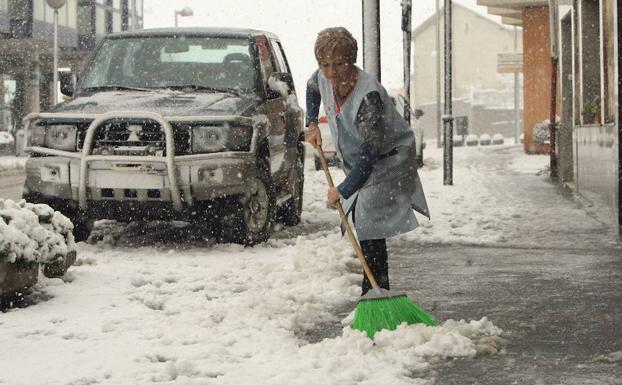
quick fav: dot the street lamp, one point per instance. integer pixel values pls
(56, 5)
(187, 11)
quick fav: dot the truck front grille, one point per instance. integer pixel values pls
(140, 138)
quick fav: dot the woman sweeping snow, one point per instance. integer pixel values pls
(375, 146)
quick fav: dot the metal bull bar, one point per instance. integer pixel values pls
(98, 119)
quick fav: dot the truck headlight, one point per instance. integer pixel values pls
(221, 138)
(36, 136)
(61, 137)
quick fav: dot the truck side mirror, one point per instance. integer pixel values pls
(280, 84)
(418, 113)
(67, 82)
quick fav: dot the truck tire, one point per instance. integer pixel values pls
(251, 221)
(290, 212)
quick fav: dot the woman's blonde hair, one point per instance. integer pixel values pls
(337, 39)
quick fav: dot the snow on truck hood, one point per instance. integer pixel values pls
(164, 102)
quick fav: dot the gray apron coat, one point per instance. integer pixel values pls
(385, 203)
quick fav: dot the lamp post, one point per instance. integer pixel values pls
(55, 5)
(187, 11)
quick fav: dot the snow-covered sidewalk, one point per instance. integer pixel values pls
(156, 305)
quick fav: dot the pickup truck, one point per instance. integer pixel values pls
(195, 124)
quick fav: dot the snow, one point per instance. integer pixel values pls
(33, 232)
(11, 163)
(29, 232)
(284, 90)
(148, 303)
(614, 357)
(6, 138)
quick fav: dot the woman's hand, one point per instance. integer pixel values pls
(332, 196)
(313, 135)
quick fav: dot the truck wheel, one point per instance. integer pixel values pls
(290, 212)
(256, 211)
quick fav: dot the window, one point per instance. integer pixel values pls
(38, 10)
(595, 53)
(72, 13)
(161, 62)
(139, 8)
(4, 7)
(280, 60)
(49, 12)
(116, 21)
(62, 16)
(41, 11)
(100, 21)
(590, 57)
(609, 41)
(266, 58)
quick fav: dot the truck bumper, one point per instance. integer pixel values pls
(136, 186)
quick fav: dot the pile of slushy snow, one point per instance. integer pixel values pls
(33, 233)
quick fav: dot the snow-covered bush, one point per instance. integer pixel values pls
(34, 233)
(498, 139)
(541, 131)
(458, 140)
(485, 139)
(471, 140)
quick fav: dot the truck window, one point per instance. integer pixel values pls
(162, 62)
(278, 54)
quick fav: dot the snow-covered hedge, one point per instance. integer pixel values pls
(34, 233)
(542, 130)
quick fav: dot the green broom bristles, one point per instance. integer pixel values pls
(375, 314)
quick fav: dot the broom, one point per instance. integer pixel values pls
(378, 309)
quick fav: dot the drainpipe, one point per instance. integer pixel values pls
(553, 19)
(517, 125)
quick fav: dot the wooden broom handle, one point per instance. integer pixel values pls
(344, 220)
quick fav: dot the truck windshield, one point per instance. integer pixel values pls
(207, 63)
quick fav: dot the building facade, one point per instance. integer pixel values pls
(589, 137)
(27, 41)
(481, 94)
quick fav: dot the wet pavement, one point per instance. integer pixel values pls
(554, 286)
(560, 310)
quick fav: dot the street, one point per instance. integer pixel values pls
(532, 271)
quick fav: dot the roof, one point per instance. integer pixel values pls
(511, 11)
(432, 19)
(210, 31)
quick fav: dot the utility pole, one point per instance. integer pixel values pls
(371, 37)
(438, 74)
(406, 30)
(447, 117)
